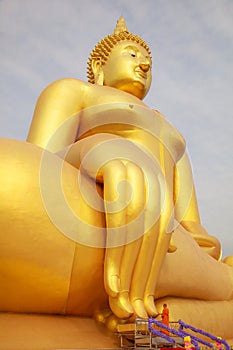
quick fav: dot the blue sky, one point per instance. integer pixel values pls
(192, 50)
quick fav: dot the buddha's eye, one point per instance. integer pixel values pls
(130, 51)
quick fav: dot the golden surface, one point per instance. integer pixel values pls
(33, 332)
(98, 207)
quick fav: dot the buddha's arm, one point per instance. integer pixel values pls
(186, 208)
(55, 120)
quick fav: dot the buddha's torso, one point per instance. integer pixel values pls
(147, 129)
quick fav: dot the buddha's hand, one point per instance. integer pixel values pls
(136, 238)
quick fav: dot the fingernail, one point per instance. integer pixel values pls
(125, 303)
(139, 308)
(150, 305)
(115, 284)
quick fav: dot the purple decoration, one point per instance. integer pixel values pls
(197, 330)
(197, 339)
(171, 330)
(181, 333)
(157, 332)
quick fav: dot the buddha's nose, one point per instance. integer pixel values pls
(144, 67)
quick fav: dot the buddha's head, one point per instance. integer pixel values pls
(121, 60)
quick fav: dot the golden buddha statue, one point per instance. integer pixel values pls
(98, 207)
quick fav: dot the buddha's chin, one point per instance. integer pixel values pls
(139, 89)
(135, 88)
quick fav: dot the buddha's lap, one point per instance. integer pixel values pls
(190, 272)
(44, 270)
(62, 277)
(28, 175)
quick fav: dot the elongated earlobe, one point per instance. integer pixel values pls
(96, 66)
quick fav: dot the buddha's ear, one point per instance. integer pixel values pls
(97, 70)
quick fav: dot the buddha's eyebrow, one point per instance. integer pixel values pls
(131, 47)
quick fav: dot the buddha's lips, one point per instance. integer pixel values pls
(141, 73)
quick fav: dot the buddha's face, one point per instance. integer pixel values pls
(128, 68)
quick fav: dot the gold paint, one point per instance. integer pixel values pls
(97, 198)
(120, 26)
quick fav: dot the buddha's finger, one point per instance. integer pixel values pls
(149, 241)
(121, 305)
(114, 175)
(162, 247)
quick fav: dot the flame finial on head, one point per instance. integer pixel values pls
(120, 26)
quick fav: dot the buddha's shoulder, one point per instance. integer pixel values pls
(82, 90)
(67, 83)
(172, 138)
